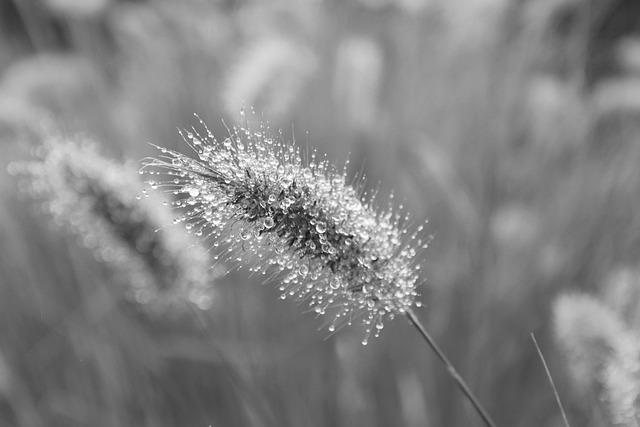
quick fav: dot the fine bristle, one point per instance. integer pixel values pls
(256, 199)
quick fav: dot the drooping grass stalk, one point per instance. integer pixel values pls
(451, 370)
(261, 203)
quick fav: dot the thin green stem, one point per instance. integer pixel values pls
(451, 369)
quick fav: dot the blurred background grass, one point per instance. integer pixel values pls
(512, 125)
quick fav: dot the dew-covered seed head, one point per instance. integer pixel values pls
(277, 211)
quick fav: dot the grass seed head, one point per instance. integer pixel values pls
(101, 201)
(604, 354)
(257, 199)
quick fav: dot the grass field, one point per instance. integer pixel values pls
(512, 126)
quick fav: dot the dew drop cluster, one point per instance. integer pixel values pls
(263, 203)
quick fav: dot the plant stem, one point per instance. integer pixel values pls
(451, 369)
(553, 384)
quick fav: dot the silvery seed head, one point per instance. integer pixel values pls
(604, 354)
(261, 204)
(99, 200)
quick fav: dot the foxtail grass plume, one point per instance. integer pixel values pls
(98, 200)
(359, 72)
(604, 354)
(261, 203)
(621, 379)
(586, 331)
(270, 74)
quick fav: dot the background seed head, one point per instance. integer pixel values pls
(105, 204)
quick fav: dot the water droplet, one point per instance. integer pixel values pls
(321, 227)
(268, 222)
(194, 192)
(303, 270)
(308, 174)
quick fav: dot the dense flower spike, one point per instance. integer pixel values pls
(604, 354)
(256, 198)
(99, 201)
